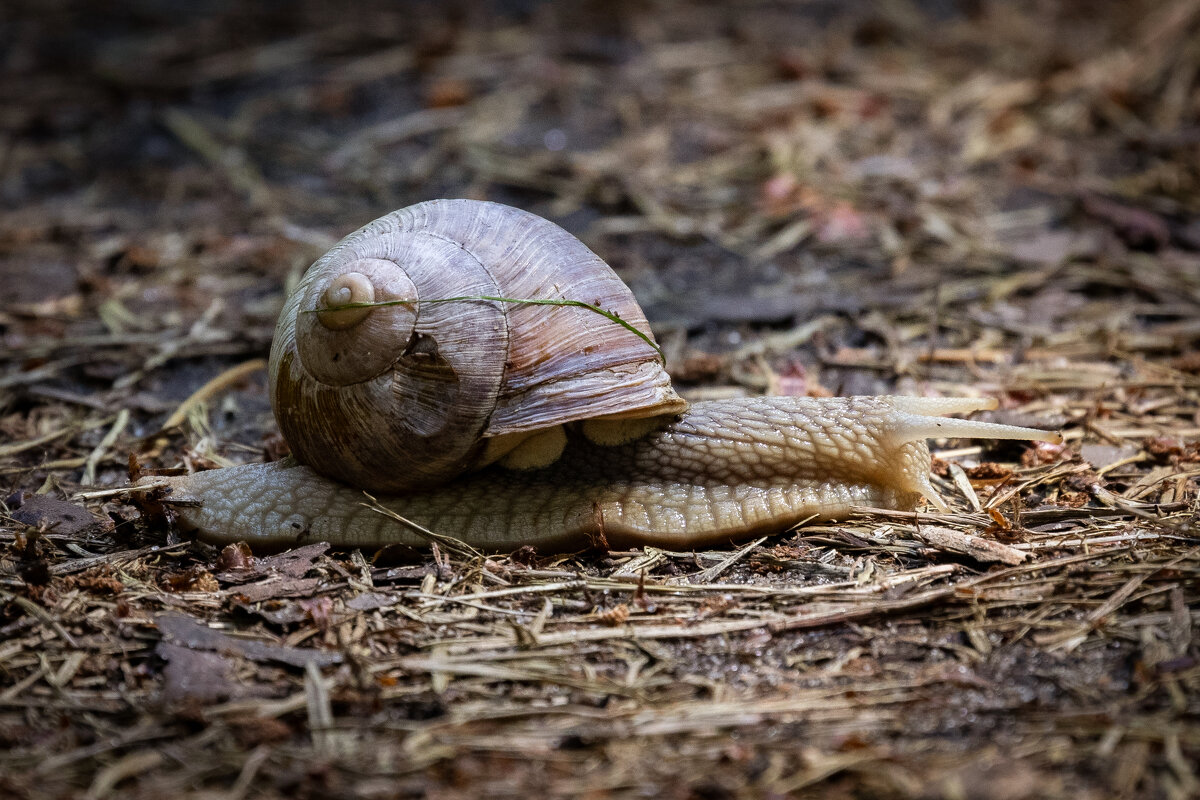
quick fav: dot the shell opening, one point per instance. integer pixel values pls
(349, 288)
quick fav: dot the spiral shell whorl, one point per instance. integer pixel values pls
(344, 347)
(399, 397)
(352, 290)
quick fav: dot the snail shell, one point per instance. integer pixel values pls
(407, 395)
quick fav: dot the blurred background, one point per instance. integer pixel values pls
(880, 186)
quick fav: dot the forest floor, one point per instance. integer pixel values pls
(938, 198)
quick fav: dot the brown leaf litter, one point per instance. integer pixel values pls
(985, 198)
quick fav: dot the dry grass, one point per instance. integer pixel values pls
(808, 199)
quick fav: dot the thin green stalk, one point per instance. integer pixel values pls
(533, 302)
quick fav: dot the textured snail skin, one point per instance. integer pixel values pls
(721, 471)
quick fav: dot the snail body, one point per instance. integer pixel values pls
(508, 424)
(721, 471)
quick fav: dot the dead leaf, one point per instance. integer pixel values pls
(195, 676)
(51, 514)
(1136, 227)
(183, 631)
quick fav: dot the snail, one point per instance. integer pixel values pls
(401, 367)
